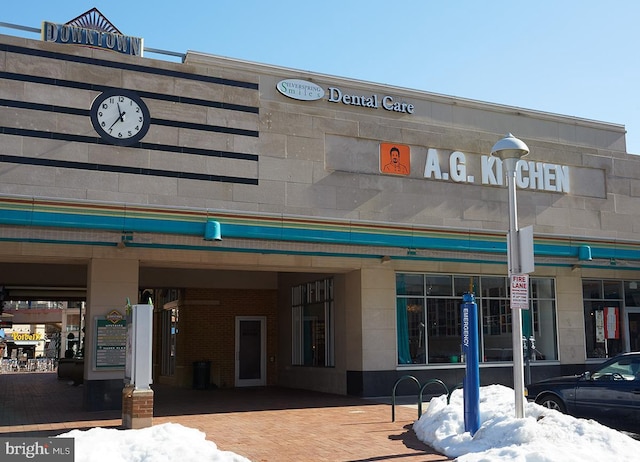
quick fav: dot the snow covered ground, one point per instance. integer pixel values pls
(542, 436)
(161, 443)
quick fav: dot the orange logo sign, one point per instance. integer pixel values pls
(395, 159)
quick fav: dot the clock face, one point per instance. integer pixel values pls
(120, 117)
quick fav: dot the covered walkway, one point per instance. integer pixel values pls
(262, 424)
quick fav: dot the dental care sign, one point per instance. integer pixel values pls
(459, 167)
(304, 90)
(439, 164)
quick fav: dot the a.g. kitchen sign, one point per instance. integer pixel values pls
(304, 90)
(457, 166)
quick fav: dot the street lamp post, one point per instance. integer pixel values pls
(510, 150)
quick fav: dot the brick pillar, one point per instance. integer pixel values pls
(137, 408)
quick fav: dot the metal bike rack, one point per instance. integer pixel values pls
(429, 382)
(421, 388)
(393, 393)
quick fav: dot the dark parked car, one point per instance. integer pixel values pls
(609, 394)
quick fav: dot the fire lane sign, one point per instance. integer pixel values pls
(520, 292)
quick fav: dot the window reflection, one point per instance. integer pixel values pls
(600, 296)
(428, 317)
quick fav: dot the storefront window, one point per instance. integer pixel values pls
(312, 324)
(632, 294)
(542, 319)
(410, 284)
(443, 315)
(464, 285)
(169, 339)
(602, 313)
(428, 317)
(496, 319)
(632, 315)
(168, 299)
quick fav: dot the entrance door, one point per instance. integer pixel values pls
(251, 351)
(633, 329)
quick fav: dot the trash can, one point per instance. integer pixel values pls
(201, 374)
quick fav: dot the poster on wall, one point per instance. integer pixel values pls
(611, 323)
(607, 324)
(599, 315)
(395, 159)
(111, 337)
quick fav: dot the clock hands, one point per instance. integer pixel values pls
(122, 113)
(115, 122)
(120, 118)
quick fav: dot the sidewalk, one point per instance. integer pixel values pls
(262, 424)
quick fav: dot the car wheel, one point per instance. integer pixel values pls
(552, 402)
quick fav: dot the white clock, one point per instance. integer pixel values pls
(120, 117)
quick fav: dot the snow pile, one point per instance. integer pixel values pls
(161, 443)
(543, 435)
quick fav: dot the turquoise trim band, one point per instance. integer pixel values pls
(129, 220)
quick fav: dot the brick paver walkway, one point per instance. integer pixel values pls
(263, 424)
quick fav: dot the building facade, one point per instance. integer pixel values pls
(305, 230)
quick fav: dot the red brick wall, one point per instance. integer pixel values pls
(137, 408)
(206, 330)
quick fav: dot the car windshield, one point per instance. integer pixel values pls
(623, 368)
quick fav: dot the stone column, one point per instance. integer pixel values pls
(109, 283)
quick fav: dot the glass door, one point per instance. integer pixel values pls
(250, 351)
(632, 321)
(168, 338)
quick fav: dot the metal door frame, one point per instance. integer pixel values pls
(628, 310)
(263, 353)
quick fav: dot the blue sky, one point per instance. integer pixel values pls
(573, 57)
